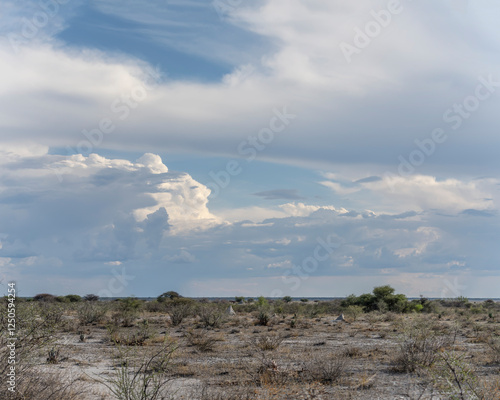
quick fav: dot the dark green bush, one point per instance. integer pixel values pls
(73, 298)
(170, 295)
(382, 299)
(62, 299)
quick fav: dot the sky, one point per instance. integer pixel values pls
(308, 148)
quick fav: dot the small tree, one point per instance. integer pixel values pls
(170, 295)
(287, 299)
(383, 292)
(91, 297)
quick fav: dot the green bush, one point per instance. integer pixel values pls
(170, 295)
(128, 310)
(262, 302)
(381, 299)
(353, 312)
(73, 298)
(62, 299)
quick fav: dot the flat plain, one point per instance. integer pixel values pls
(187, 349)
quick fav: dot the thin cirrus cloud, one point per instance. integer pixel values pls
(280, 194)
(404, 97)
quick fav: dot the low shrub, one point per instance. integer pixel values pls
(203, 340)
(419, 347)
(267, 342)
(178, 312)
(326, 369)
(144, 378)
(263, 317)
(90, 312)
(353, 312)
(211, 315)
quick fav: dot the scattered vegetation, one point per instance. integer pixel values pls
(202, 339)
(383, 299)
(141, 377)
(211, 315)
(327, 370)
(271, 349)
(91, 312)
(419, 346)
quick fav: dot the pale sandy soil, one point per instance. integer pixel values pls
(368, 345)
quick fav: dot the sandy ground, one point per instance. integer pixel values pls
(368, 346)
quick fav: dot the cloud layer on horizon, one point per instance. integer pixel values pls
(77, 217)
(404, 135)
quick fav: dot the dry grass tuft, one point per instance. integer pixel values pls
(203, 339)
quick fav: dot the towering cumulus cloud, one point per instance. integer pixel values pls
(92, 207)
